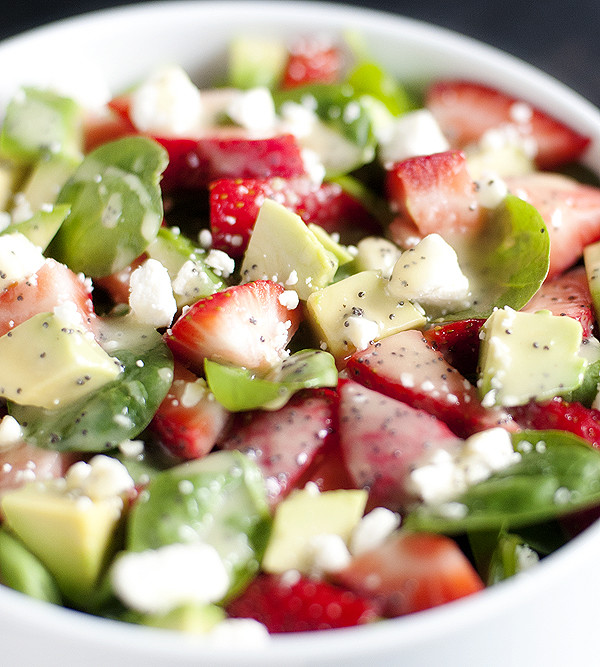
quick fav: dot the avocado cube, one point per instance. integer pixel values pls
(526, 356)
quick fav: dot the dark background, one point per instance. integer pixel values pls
(561, 37)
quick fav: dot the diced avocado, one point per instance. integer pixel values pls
(256, 62)
(11, 176)
(195, 619)
(304, 515)
(284, 249)
(220, 499)
(376, 253)
(41, 228)
(47, 179)
(340, 252)
(504, 161)
(39, 123)
(47, 362)
(72, 536)
(24, 572)
(350, 313)
(176, 252)
(526, 356)
(591, 259)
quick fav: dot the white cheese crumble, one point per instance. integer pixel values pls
(361, 331)
(253, 109)
(373, 529)
(430, 274)
(289, 299)
(413, 133)
(151, 295)
(490, 190)
(103, 477)
(11, 433)
(220, 262)
(167, 103)
(443, 475)
(327, 553)
(157, 581)
(19, 258)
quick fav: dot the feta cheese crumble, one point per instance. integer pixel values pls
(19, 258)
(151, 295)
(103, 477)
(157, 581)
(373, 529)
(490, 189)
(11, 433)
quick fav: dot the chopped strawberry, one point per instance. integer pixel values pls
(331, 472)
(567, 294)
(570, 210)
(116, 285)
(433, 193)
(234, 205)
(189, 421)
(300, 606)
(98, 128)
(289, 443)
(194, 163)
(312, 60)
(53, 285)
(559, 414)
(411, 572)
(245, 325)
(458, 342)
(406, 367)
(466, 110)
(382, 438)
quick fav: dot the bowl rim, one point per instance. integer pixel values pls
(416, 627)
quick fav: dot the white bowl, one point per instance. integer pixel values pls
(547, 616)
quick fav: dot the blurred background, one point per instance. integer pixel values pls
(560, 37)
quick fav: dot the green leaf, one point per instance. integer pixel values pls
(119, 410)
(369, 78)
(507, 262)
(239, 389)
(558, 473)
(220, 498)
(116, 207)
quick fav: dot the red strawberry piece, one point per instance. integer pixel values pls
(382, 439)
(116, 285)
(406, 367)
(189, 421)
(331, 472)
(235, 203)
(194, 163)
(458, 342)
(54, 284)
(411, 572)
(300, 606)
(433, 193)
(567, 294)
(289, 443)
(244, 325)
(570, 210)
(312, 60)
(107, 125)
(25, 463)
(466, 110)
(559, 414)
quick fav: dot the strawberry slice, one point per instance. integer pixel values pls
(406, 367)
(559, 414)
(382, 438)
(312, 60)
(189, 421)
(466, 110)
(104, 126)
(244, 325)
(194, 163)
(433, 193)
(235, 203)
(570, 210)
(458, 342)
(300, 606)
(289, 443)
(411, 572)
(567, 294)
(331, 473)
(53, 285)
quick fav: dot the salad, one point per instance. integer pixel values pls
(305, 350)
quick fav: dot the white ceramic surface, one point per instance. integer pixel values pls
(548, 616)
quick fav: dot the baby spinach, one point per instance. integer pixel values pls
(558, 473)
